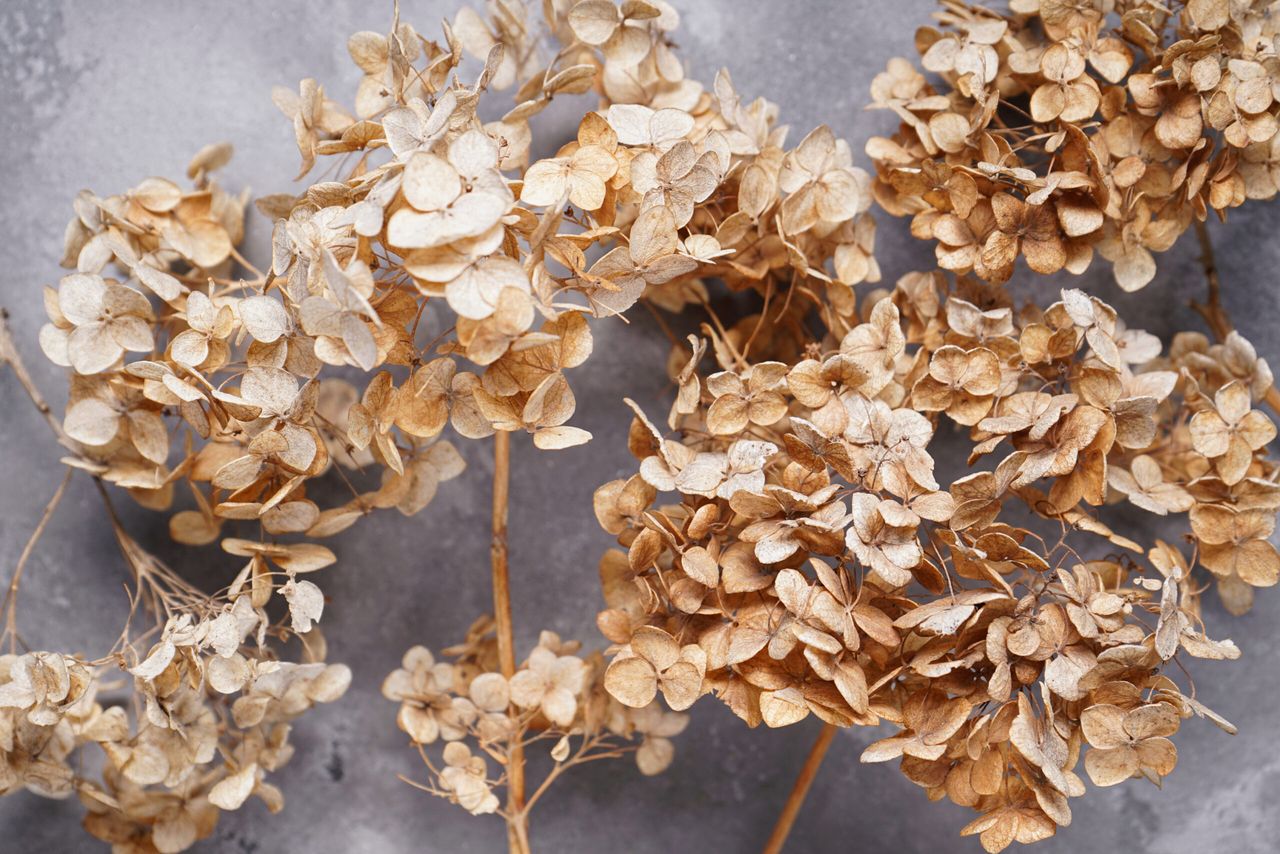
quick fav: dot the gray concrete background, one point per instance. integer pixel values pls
(102, 95)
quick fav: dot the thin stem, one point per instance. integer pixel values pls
(11, 595)
(498, 552)
(724, 335)
(764, 311)
(248, 265)
(662, 323)
(798, 791)
(1212, 310)
(581, 757)
(166, 588)
(9, 356)
(517, 832)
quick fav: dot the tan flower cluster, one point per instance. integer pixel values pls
(184, 376)
(675, 184)
(212, 711)
(205, 710)
(450, 275)
(556, 697)
(811, 562)
(1061, 127)
(804, 558)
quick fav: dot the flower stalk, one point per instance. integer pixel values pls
(517, 816)
(799, 790)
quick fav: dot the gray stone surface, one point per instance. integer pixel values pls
(103, 94)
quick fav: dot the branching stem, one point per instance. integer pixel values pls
(11, 595)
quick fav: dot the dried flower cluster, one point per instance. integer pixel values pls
(1062, 127)
(232, 394)
(205, 717)
(553, 698)
(453, 274)
(683, 183)
(811, 562)
(204, 713)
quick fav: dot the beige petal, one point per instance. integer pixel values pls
(560, 706)
(92, 348)
(1103, 725)
(632, 682)
(91, 421)
(227, 675)
(681, 685)
(1159, 755)
(783, 708)
(1110, 767)
(545, 183)
(232, 791)
(490, 692)
(594, 21)
(430, 182)
(1152, 720)
(655, 646)
(655, 754)
(264, 318)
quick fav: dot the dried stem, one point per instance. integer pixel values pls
(1272, 399)
(798, 791)
(11, 595)
(518, 824)
(661, 321)
(498, 552)
(248, 265)
(1212, 310)
(517, 821)
(582, 756)
(160, 588)
(9, 356)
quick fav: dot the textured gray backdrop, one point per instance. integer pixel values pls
(102, 95)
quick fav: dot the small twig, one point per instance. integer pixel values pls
(498, 552)
(248, 265)
(166, 588)
(9, 356)
(764, 311)
(11, 595)
(1211, 310)
(798, 792)
(724, 334)
(581, 757)
(661, 321)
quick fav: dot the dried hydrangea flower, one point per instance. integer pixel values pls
(1055, 129)
(556, 695)
(195, 372)
(843, 580)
